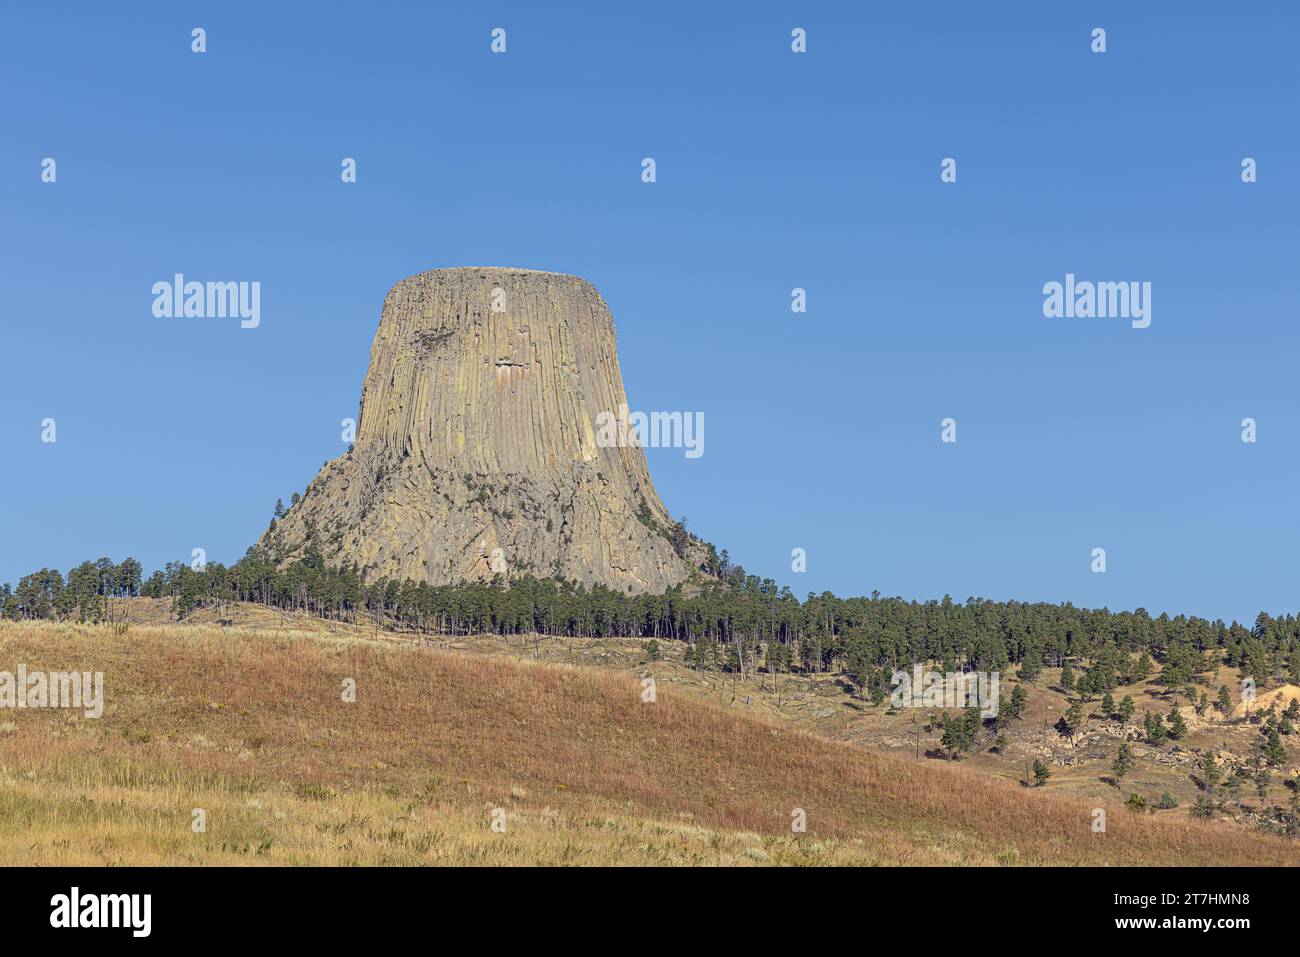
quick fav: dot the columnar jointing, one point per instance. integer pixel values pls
(476, 450)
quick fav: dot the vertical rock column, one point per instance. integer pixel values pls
(476, 444)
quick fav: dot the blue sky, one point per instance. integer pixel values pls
(775, 170)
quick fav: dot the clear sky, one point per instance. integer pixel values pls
(774, 170)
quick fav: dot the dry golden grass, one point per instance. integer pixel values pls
(251, 727)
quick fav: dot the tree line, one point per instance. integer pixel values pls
(738, 622)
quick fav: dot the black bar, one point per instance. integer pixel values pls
(216, 906)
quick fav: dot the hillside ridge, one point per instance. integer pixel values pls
(579, 766)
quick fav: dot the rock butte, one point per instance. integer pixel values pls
(477, 433)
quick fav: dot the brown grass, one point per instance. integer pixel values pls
(250, 726)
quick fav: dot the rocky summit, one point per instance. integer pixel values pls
(476, 450)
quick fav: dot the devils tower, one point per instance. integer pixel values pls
(476, 450)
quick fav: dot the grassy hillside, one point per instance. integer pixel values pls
(250, 726)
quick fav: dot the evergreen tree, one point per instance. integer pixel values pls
(1123, 762)
(1154, 727)
(1177, 726)
(1261, 781)
(1067, 676)
(1143, 670)
(1274, 751)
(1041, 773)
(1072, 719)
(679, 537)
(1019, 698)
(961, 731)
(1126, 709)
(1210, 776)
(1031, 666)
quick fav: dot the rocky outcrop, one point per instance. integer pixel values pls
(476, 450)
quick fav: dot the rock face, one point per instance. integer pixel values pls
(477, 433)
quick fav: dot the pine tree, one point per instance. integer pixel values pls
(1225, 700)
(1085, 686)
(1261, 781)
(1274, 751)
(1123, 761)
(1210, 775)
(960, 731)
(1041, 773)
(1019, 698)
(1126, 709)
(1067, 676)
(1107, 705)
(1177, 726)
(1031, 666)
(1072, 719)
(1154, 727)
(679, 537)
(1143, 669)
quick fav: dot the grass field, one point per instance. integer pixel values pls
(249, 726)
